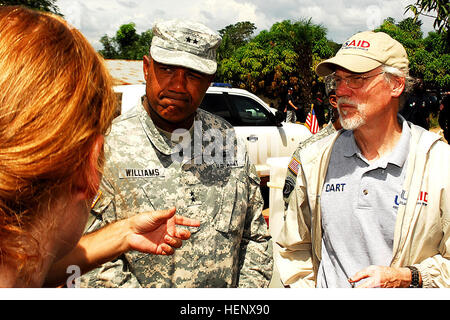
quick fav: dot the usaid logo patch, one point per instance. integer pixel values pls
(401, 199)
(423, 198)
(357, 44)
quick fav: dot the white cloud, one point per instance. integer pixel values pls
(233, 12)
(341, 18)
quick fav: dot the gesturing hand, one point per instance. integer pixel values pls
(155, 232)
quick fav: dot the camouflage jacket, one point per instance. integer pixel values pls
(231, 248)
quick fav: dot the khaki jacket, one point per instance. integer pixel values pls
(421, 236)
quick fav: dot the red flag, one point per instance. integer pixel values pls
(311, 122)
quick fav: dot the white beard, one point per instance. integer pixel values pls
(357, 119)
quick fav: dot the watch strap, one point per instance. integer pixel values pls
(415, 277)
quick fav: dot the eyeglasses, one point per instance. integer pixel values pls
(354, 82)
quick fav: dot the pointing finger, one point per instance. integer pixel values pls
(180, 220)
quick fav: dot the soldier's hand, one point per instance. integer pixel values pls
(156, 232)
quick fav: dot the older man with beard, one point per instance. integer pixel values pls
(370, 207)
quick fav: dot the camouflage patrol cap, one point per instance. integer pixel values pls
(186, 44)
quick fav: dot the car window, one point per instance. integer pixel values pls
(251, 113)
(216, 104)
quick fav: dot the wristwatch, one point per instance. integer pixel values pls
(415, 277)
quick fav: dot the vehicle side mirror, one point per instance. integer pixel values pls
(279, 118)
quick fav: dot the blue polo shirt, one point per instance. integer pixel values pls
(359, 208)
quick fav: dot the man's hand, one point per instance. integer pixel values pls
(155, 232)
(383, 277)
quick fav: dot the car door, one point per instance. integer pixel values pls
(257, 126)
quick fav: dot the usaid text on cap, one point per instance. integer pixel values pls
(360, 44)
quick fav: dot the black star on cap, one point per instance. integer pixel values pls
(188, 39)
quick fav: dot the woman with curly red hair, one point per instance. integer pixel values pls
(56, 105)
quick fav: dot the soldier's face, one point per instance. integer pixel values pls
(174, 93)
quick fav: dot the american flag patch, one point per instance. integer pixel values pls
(293, 166)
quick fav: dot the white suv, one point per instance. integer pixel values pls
(260, 126)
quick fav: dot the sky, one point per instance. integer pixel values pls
(95, 18)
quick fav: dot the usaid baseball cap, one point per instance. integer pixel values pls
(186, 44)
(366, 51)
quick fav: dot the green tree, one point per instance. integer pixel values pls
(234, 36)
(278, 58)
(407, 32)
(437, 9)
(126, 44)
(428, 57)
(143, 44)
(127, 38)
(109, 50)
(412, 27)
(239, 33)
(437, 67)
(42, 5)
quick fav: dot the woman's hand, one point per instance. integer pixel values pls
(156, 232)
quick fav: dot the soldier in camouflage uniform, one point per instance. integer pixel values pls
(147, 168)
